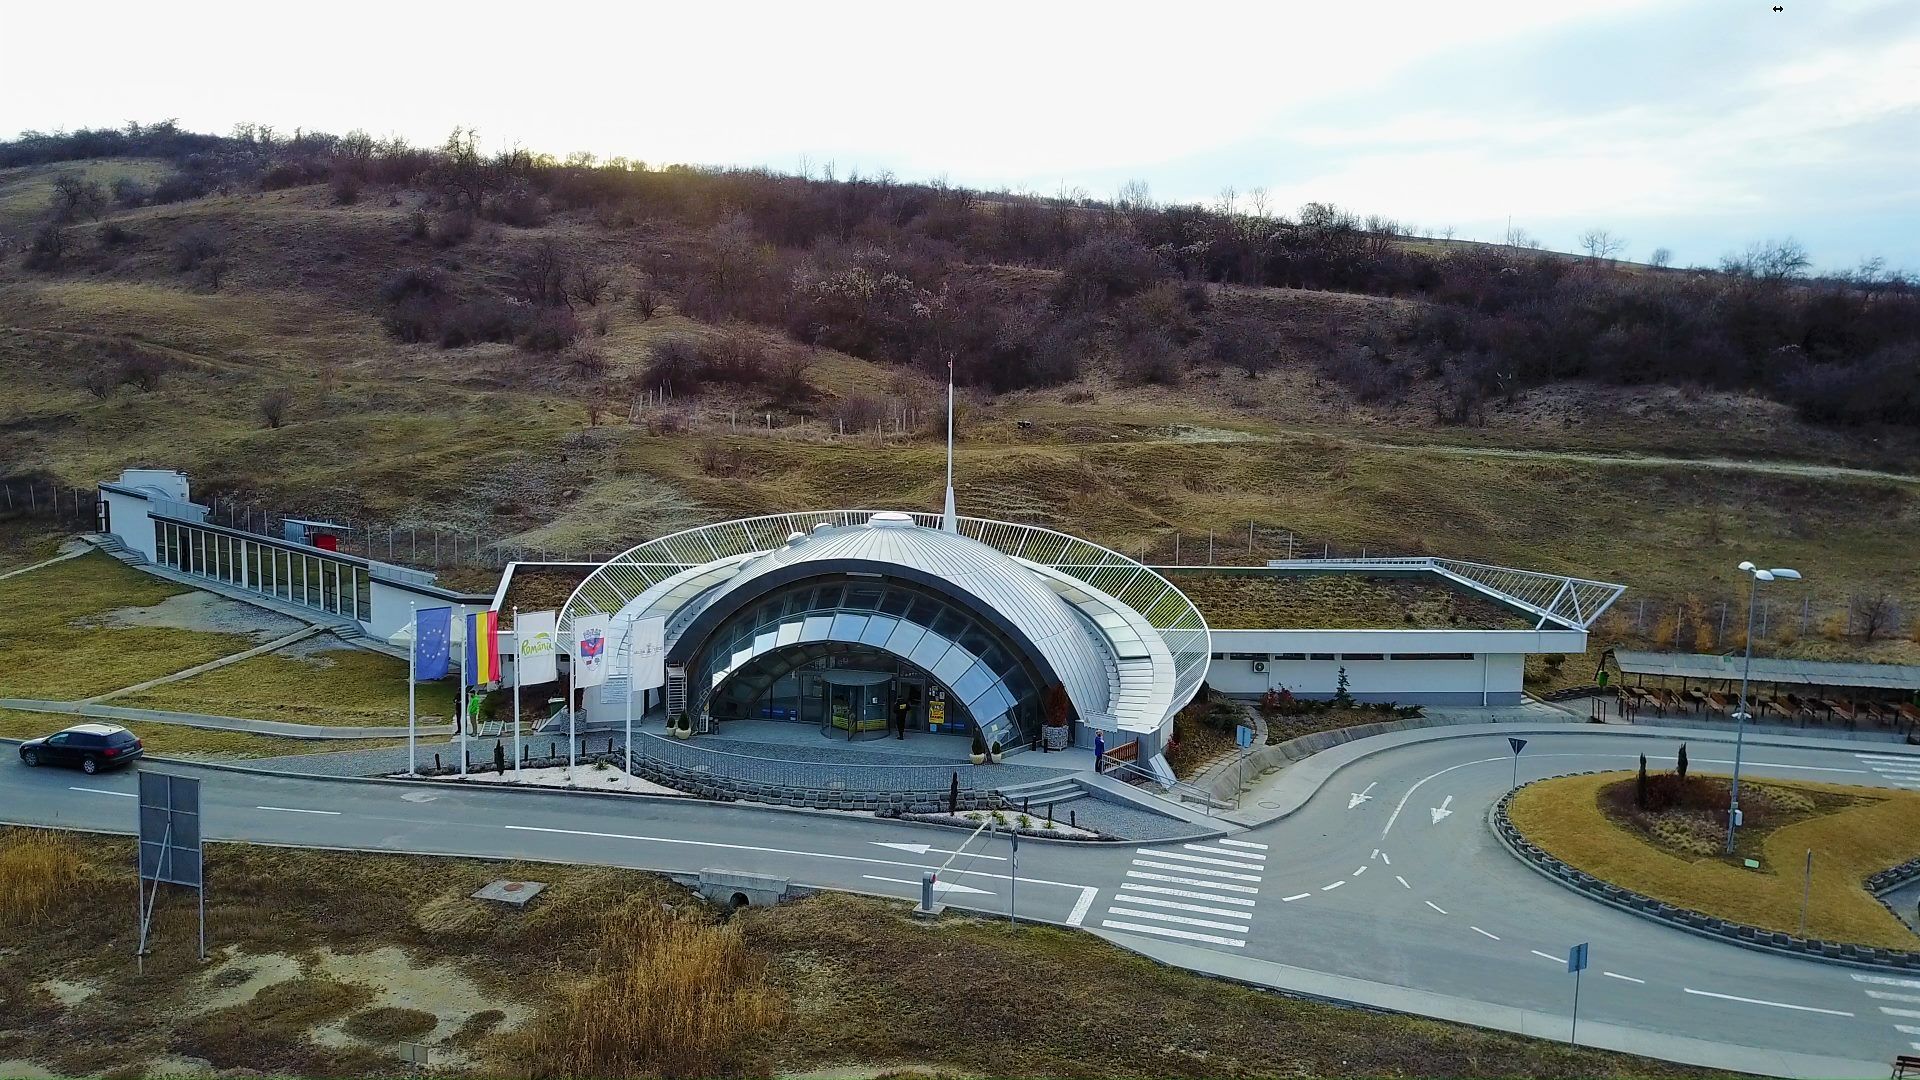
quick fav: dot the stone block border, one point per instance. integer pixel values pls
(703, 785)
(1695, 922)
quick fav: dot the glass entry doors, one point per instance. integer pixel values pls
(858, 703)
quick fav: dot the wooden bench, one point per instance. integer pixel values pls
(1905, 1065)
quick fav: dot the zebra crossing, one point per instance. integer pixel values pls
(1900, 770)
(1899, 1000)
(1202, 892)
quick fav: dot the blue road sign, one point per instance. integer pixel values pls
(1243, 736)
(1517, 744)
(1577, 958)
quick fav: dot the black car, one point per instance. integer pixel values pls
(91, 747)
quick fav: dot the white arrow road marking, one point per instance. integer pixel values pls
(1757, 1001)
(786, 851)
(938, 886)
(102, 791)
(1356, 798)
(296, 810)
(922, 849)
(1441, 811)
(1395, 816)
(1623, 978)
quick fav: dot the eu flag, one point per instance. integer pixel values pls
(431, 629)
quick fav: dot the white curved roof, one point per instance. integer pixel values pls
(966, 568)
(1128, 646)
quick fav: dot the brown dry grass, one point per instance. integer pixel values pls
(1564, 817)
(172, 740)
(36, 868)
(860, 983)
(670, 996)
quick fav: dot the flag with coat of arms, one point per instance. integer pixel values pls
(590, 650)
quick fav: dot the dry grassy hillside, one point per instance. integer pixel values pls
(499, 437)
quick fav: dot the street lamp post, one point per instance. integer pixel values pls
(1779, 573)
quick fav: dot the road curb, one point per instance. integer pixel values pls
(1693, 922)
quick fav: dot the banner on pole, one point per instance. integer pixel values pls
(482, 664)
(433, 628)
(537, 645)
(590, 650)
(647, 645)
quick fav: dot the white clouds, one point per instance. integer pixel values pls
(1427, 111)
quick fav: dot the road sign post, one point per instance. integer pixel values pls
(1013, 872)
(170, 852)
(1518, 745)
(1576, 963)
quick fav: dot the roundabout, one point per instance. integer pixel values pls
(1380, 883)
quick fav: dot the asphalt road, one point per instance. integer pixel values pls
(1389, 873)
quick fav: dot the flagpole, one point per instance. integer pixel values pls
(464, 673)
(413, 667)
(573, 687)
(516, 693)
(948, 521)
(629, 746)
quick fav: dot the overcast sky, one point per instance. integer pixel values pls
(1698, 125)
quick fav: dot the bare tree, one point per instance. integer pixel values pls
(75, 196)
(588, 284)
(1877, 614)
(1601, 244)
(1660, 257)
(1772, 260)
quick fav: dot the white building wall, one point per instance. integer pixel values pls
(127, 518)
(1380, 664)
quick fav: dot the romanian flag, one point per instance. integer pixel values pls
(483, 648)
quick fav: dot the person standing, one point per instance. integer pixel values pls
(1099, 752)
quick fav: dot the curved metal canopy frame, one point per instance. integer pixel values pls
(1179, 623)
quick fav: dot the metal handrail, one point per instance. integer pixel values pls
(1186, 792)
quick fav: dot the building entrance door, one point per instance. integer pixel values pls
(856, 702)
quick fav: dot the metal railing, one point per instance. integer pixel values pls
(1179, 791)
(851, 777)
(1174, 617)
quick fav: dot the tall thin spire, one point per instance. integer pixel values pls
(949, 521)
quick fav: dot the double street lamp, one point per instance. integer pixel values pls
(1778, 573)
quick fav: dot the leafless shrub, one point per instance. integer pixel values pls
(274, 406)
(75, 197)
(46, 249)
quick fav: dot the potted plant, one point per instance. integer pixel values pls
(1058, 729)
(683, 726)
(995, 752)
(978, 754)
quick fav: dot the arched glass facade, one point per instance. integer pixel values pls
(858, 652)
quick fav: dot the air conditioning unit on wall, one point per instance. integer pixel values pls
(1259, 665)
